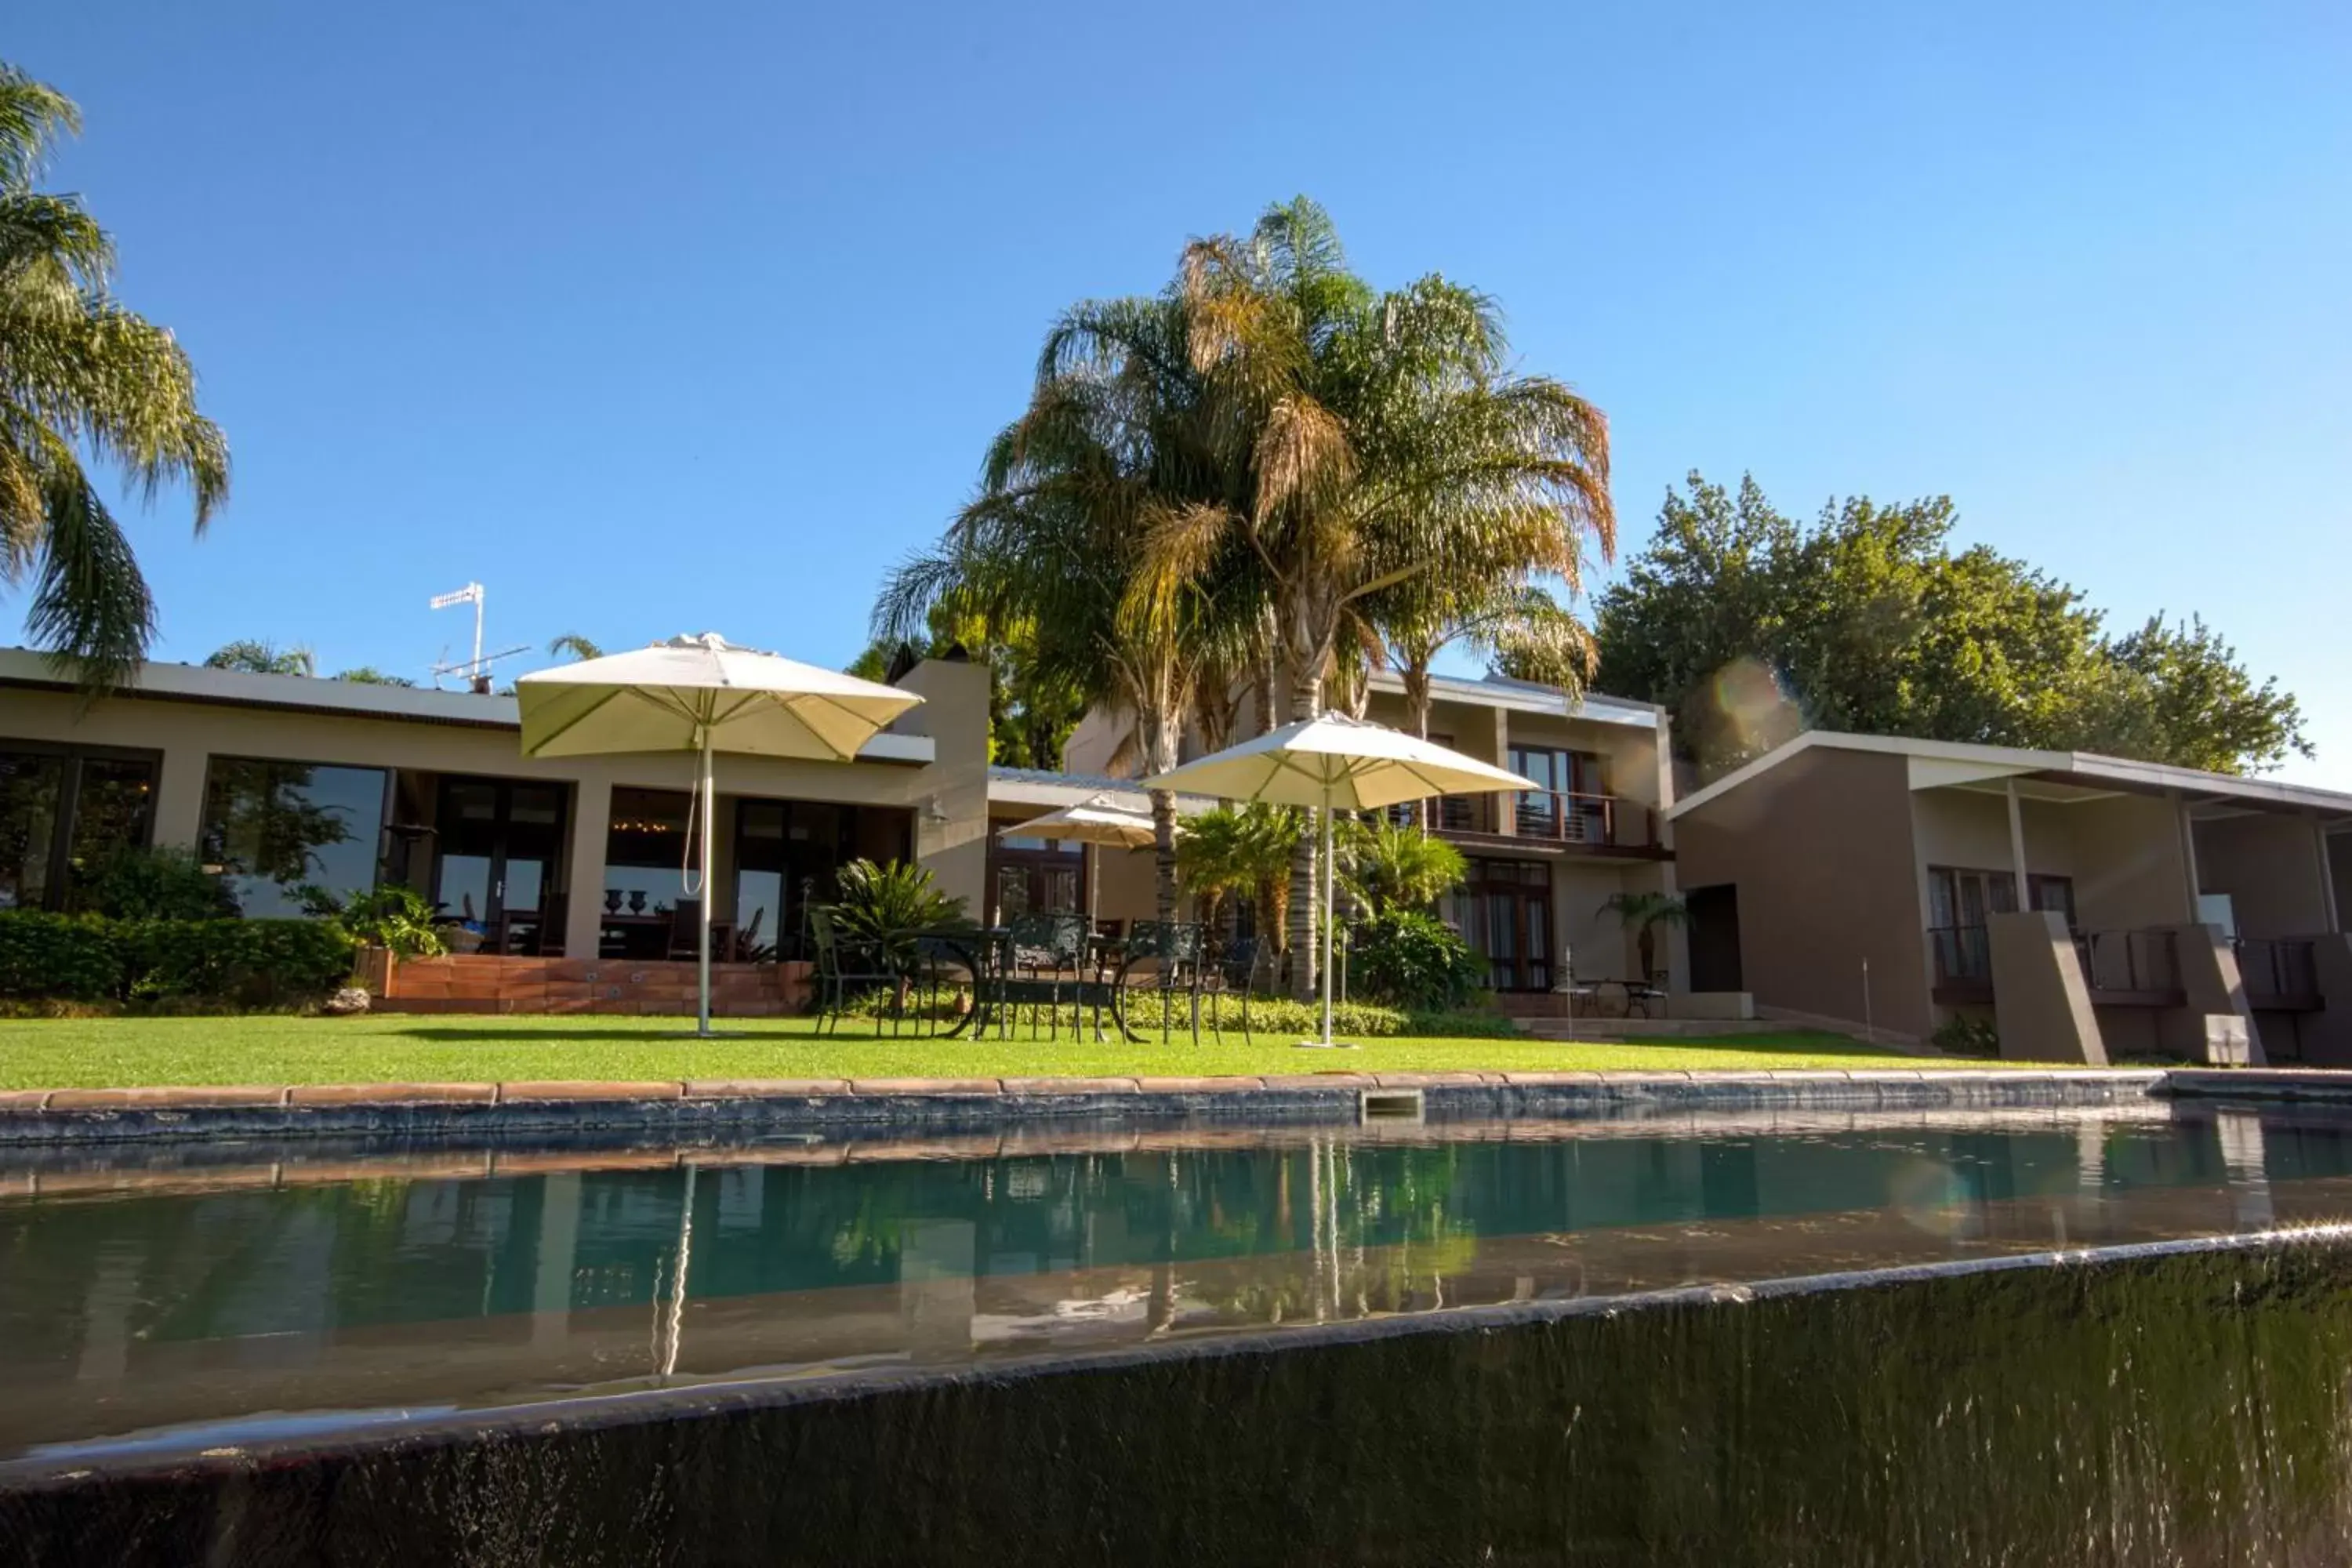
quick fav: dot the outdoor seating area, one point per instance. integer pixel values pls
(1037, 973)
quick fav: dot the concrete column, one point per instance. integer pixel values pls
(179, 797)
(2211, 989)
(1507, 818)
(2327, 875)
(2017, 845)
(2042, 1004)
(591, 818)
(2188, 852)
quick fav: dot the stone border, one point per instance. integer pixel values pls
(695, 1107)
(588, 1412)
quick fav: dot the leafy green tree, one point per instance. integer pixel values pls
(81, 377)
(369, 675)
(1751, 626)
(1032, 707)
(253, 656)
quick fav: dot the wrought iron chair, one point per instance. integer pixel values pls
(1238, 972)
(1163, 956)
(846, 968)
(1052, 950)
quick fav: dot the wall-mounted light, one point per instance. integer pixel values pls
(934, 813)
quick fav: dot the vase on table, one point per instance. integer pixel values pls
(612, 900)
(637, 902)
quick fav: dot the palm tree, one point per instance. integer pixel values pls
(81, 376)
(255, 657)
(1117, 438)
(1642, 913)
(1389, 866)
(572, 646)
(1243, 851)
(1381, 440)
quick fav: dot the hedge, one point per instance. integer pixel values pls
(88, 957)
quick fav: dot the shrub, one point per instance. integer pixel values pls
(166, 883)
(883, 907)
(1962, 1035)
(75, 958)
(1408, 959)
(88, 957)
(392, 916)
(1396, 865)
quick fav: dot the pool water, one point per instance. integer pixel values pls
(153, 1303)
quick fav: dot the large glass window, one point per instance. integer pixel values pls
(274, 828)
(62, 809)
(787, 853)
(645, 851)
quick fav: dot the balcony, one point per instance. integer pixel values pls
(2120, 968)
(1600, 824)
(2280, 976)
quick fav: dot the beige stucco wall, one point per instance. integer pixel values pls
(188, 735)
(2270, 865)
(1821, 849)
(2129, 874)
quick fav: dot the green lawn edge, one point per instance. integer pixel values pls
(117, 1052)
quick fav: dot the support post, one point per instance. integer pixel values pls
(702, 905)
(2326, 876)
(2017, 845)
(1327, 915)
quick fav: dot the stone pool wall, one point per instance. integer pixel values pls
(2179, 1403)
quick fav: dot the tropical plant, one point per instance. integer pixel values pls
(1380, 440)
(1243, 851)
(1962, 1035)
(369, 675)
(392, 916)
(82, 378)
(253, 656)
(1121, 437)
(1643, 914)
(1388, 865)
(1408, 958)
(572, 646)
(885, 907)
(168, 883)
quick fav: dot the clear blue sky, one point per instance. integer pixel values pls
(664, 318)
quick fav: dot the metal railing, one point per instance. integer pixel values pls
(2277, 971)
(1963, 955)
(1598, 819)
(2141, 962)
(1447, 813)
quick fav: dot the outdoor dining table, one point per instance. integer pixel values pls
(997, 983)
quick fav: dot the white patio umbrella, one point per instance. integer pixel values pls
(1335, 763)
(703, 694)
(1098, 820)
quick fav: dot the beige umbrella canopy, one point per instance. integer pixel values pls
(1101, 820)
(1335, 763)
(706, 695)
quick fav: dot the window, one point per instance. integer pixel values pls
(62, 808)
(1963, 897)
(646, 850)
(273, 828)
(1566, 805)
(1035, 876)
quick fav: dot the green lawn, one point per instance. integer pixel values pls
(112, 1052)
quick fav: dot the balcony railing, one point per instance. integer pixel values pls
(2131, 963)
(1447, 813)
(1594, 819)
(2281, 974)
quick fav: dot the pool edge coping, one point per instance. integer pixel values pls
(428, 1109)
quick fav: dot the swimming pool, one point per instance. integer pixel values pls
(157, 1309)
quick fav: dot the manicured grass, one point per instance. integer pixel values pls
(75, 1053)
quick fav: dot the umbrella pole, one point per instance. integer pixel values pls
(1327, 906)
(709, 809)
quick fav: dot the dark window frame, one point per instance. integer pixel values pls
(56, 884)
(383, 810)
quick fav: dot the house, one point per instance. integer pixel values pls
(281, 781)
(2089, 908)
(1543, 863)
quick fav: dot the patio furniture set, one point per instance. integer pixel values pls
(965, 980)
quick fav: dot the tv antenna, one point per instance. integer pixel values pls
(476, 669)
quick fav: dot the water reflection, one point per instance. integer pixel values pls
(129, 1300)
